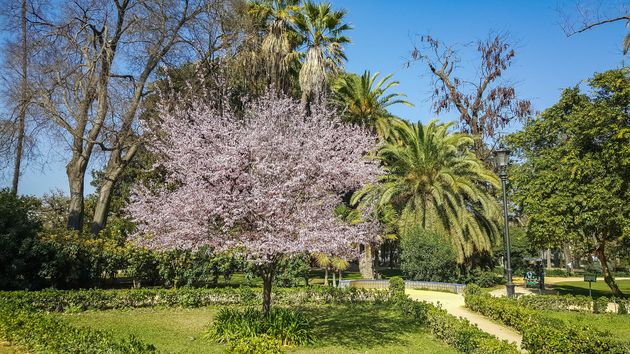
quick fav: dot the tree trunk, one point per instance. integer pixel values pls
(23, 104)
(366, 264)
(340, 276)
(76, 179)
(267, 276)
(101, 210)
(334, 283)
(608, 277)
(326, 276)
(112, 173)
(548, 258)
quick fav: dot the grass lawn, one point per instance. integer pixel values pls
(600, 288)
(618, 325)
(364, 328)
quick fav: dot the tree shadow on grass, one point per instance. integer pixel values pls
(359, 325)
(566, 289)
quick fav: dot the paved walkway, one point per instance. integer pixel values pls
(454, 304)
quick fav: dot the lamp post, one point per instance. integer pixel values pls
(502, 156)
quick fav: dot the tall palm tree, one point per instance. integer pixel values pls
(281, 39)
(435, 180)
(323, 29)
(365, 100)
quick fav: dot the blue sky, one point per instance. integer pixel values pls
(384, 34)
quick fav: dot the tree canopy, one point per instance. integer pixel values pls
(574, 182)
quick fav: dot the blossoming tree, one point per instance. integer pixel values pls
(265, 183)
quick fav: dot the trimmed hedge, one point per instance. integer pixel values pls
(542, 334)
(97, 299)
(572, 303)
(457, 332)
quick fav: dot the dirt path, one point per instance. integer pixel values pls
(454, 304)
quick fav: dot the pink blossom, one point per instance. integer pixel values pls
(266, 182)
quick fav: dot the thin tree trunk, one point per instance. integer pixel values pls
(326, 276)
(608, 277)
(334, 283)
(267, 276)
(23, 104)
(549, 258)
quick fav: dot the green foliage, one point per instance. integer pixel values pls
(433, 181)
(260, 344)
(292, 271)
(287, 326)
(97, 299)
(484, 278)
(600, 305)
(427, 256)
(542, 333)
(573, 183)
(41, 332)
(20, 251)
(363, 100)
(396, 287)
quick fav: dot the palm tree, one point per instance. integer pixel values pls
(281, 39)
(365, 101)
(435, 180)
(323, 29)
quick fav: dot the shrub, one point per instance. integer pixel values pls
(463, 336)
(396, 287)
(287, 326)
(542, 333)
(485, 278)
(427, 256)
(600, 305)
(19, 259)
(262, 344)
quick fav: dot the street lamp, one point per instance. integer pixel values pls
(502, 157)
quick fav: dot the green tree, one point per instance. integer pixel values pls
(427, 256)
(434, 180)
(322, 28)
(574, 183)
(364, 100)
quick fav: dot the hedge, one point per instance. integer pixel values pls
(97, 299)
(572, 303)
(543, 334)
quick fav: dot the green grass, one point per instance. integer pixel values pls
(618, 325)
(364, 328)
(600, 288)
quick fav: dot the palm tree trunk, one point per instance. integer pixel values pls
(334, 283)
(366, 264)
(326, 276)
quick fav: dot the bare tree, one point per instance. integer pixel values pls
(14, 137)
(484, 103)
(93, 74)
(587, 15)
